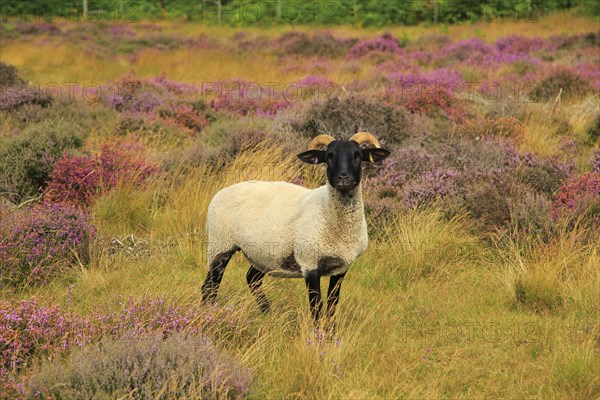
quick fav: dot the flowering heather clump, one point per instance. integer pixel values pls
(182, 366)
(16, 97)
(385, 44)
(36, 242)
(590, 72)
(144, 94)
(81, 179)
(25, 28)
(596, 161)
(476, 52)
(143, 102)
(489, 178)
(439, 183)
(523, 45)
(579, 196)
(246, 98)
(427, 93)
(184, 115)
(28, 329)
(464, 50)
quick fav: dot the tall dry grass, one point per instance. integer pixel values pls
(429, 311)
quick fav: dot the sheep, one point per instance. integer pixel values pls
(289, 231)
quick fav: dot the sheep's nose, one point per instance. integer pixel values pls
(343, 175)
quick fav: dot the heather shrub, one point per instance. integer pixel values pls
(428, 93)
(15, 94)
(590, 73)
(247, 98)
(145, 95)
(30, 329)
(27, 160)
(9, 77)
(580, 40)
(476, 52)
(322, 44)
(523, 45)
(488, 179)
(37, 242)
(343, 117)
(565, 82)
(489, 199)
(376, 48)
(181, 366)
(466, 49)
(14, 98)
(81, 179)
(186, 115)
(579, 199)
(544, 175)
(35, 28)
(596, 161)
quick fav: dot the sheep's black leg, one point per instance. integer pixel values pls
(254, 278)
(313, 283)
(333, 296)
(215, 274)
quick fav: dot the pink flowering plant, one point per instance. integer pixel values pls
(30, 329)
(579, 197)
(35, 243)
(79, 180)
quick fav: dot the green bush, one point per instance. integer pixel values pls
(27, 160)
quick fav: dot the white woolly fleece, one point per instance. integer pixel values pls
(270, 221)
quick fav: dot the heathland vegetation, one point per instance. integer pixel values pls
(482, 276)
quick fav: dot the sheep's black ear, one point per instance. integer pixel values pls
(312, 156)
(374, 155)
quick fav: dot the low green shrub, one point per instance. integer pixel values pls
(27, 160)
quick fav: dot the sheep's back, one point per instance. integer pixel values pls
(257, 217)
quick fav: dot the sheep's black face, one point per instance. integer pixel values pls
(343, 159)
